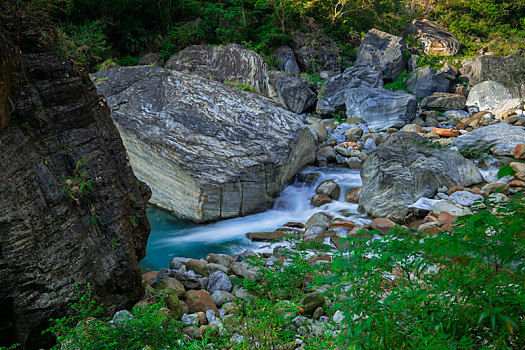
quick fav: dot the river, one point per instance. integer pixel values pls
(171, 236)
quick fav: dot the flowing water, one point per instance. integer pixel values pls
(172, 237)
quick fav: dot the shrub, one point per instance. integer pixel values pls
(461, 289)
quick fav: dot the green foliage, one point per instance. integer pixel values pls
(78, 185)
(81, 330)
(505, 171)
(128, 61)
(85, 43)
(464, 289)
(400, 83)
(241, 86)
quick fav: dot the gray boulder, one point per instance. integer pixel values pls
(219, 281)
(329, 188)
(434, 38)
(488, 95)
(317, 220)
(316, 53)
(508, 71)
(425, 81)
(380, 108)
(403, 169)
(291, 91)
(332, 93)
(221, 297)
(384, 50)
(232, 63)
(209, 151)
(499, 139)
(443, 101)
(465, 198)
(285, 59)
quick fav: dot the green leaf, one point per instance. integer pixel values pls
(505, 170)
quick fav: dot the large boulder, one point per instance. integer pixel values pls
(380, 108)
(10, 63)
(291, 91)
(384, 50)
(500, 139)
(488, 95)
(231, 63)
(285, 59)
(426, 81)
(208, 151)
(316, 53)
(332, 93)
(434, 38)
(405, 168)
(53, 233)
(508, 71)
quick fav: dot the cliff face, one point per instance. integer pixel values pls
(71, 210)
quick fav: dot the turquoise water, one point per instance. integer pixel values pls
(171, 236)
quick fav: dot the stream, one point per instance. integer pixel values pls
(171, 236)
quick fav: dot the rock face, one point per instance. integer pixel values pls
(434, 38)
(51, 237)
(443, 101)
(404, 169)
(508, 71)
(332, 98)
(488, 95)
(233, 63)
(384, 50)
(208, 151)
(500, 139)
(285, 59)
(10, 62)
(291, 91)
(425, 81)
(316, 53)
(380, 108)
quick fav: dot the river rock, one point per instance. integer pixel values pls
(316, 53)
(403, 169)
(434, 38)
(231, 63)
(189, 281)
(332, 93)
(200, 301)
(380, 108)
(384, 50)
(500, 139)
(292, 92)
(422, 206)
(197, 266)
(317, 220)
(328, 153)
(221, 297)
(353, 195)
(243, 270)
(208, 150)
(320, 199)
(171, 286)
(329, 188)
(488, 95)
(426, 81)
(285, 59)
(508, 71)
(310, 302)
(219, 281)
(383, 225)
(50, 238)
(442, 101)
(450, 208)
(221, 259)
(465, 198)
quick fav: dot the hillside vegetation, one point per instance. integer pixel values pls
(123, 30)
